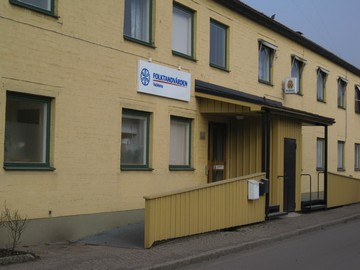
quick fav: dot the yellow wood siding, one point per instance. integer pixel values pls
(201, 209)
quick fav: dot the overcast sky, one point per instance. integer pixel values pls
(333, 24)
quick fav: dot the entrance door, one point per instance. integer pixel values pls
(289, 174)
(217, 152)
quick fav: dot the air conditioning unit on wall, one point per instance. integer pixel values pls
(291, 86)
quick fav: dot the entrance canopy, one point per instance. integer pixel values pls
(255, 103)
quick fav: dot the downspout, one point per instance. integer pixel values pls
(265, 157)
(326, 167)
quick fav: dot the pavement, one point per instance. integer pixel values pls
(122, 248)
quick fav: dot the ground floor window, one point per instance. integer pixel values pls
(320, 154)
(341, 151)
(180, 142)
(357, 156)
(135, 139)
(27, 131)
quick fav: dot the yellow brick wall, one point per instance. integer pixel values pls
(82, 60)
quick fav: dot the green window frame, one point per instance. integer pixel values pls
(27, 132)
(357, 157)
(180, 143)
(135, 129)
(341, 96)
(341, 156)
(138, 21)
(218, 45)
(183, 31)
(43, 6)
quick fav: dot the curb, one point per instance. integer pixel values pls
(246, 246)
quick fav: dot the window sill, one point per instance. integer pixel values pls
(179, 54)
(219, 67)
(148, 44)
(320, 169)
(321, 101)
(265, 82)
(342, 108)
(172, 168)
(340, 170)
(127, 169)
(27, 168)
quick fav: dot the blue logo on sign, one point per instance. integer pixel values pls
(145, 76)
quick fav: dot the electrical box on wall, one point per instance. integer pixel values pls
(253, 190)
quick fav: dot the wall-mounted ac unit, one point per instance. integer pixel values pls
(291, 86)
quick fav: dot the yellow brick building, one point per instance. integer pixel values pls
(102, 103)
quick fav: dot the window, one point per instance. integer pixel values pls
(135, 140)
(320, 154)
(266, 56)
(341, 149)
(182, 34)
(180, 138)
(218, 37)
(44, 6)
(297, 66)
(357, 157)
(320, 87)
(137, 24)
(27, 132)
(341, 93)
(357, 98)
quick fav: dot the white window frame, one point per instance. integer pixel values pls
(297, 67)
(182, 31)
(357, 99)
(357, 156)
(180, 143)
(320, 154)
(266, 58)
(341, 156)
(137, 20)
(341, 94)
(321, 84)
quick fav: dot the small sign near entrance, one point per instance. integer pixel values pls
(218, 167)
(163, 81)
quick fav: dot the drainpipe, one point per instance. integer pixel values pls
(326, 167)
(265, 155)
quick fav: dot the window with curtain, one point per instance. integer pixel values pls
(341, 152)
(182, 33)
(44, 6)
(357, 98)
(137, 20)
(341, 93)
(296, 71)
(357, 157)
(265, 63)
(134, 139)
(320, 154)
(218, 50)
(180, 142)
(27, 130)
(320, 87)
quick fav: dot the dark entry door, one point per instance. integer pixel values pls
(289, 174)
(217, 152)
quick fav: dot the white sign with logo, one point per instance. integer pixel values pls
(163, 81)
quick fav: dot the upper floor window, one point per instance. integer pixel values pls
(297, 66)
(320, 86)
(44, 6)
(341, 100)
(266, 56)
(135, 140)
(341, 152)
(357, 98)
(137, 23)
(320, 154)
(180, 143)
(182, 34)
(27, 131)
(218, 44)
